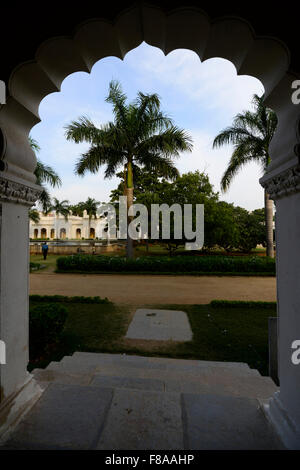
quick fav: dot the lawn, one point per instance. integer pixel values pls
(219, 334)
(46, 265)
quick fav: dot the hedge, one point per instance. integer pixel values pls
(241, 304)
(46, 323)
(164, 264)
(63, 298)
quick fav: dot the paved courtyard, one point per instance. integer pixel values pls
(151, 289)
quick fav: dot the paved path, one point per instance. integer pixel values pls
(152, 289)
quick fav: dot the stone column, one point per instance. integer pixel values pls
(18, 389)
(284, 408)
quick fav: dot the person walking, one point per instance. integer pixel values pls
(45, 248)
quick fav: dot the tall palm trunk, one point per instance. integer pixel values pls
(129, 195)
(269, 224)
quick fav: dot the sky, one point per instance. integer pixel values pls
(201, 98)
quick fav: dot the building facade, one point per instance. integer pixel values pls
(53, 226)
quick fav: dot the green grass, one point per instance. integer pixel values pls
(49, 263)
(225, 333)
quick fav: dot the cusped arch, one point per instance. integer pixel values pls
(230, 38)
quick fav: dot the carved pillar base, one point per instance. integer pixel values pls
(284, 408)
(15, 200)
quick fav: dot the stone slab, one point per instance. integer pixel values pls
(161, 325)
(128, 382)
(216, 422)
(223, 384)
(49, 375)
(66, 417)
(97, 358)
(142, 420)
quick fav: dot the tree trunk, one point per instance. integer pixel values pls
(269, 225)
(129, 195)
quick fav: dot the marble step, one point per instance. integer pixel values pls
(90, 362)
(91, 417)
(235, 381)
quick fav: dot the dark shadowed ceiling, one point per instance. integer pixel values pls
(24, 27)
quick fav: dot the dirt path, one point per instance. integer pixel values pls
(143, 289)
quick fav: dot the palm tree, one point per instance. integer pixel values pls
(59, 207)
(91, 206)
(140, 134)
(251, 134)
(44, 174)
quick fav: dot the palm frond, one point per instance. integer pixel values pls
(162, 165)
(34, 144)
(97, 156)
(169, 143)
(34, 215)
(118, 99)
(46, 174)
(82, 130)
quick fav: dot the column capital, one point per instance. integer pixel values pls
(14, 191)
(283, 184)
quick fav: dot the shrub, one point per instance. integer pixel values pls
(63, 298)
(46, 323)
(241, 304)
(34, 266)
(164, 264)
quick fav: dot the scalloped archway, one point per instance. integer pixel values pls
(230, 38)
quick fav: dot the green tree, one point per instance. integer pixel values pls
(141, 134)
(249, 230)
(91, 206)
(44, 175)
(190, 188)
(77, 209)
(251, 134)
(59, 207)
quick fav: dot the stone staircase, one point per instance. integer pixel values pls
(121, 402)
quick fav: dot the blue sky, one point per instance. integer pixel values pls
(202, 98)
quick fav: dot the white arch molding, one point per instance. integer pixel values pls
(230, 38)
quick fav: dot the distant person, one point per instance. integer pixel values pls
(45, 248)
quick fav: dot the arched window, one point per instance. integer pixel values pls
(36, 233)
(52, 233)
(63, 233)
(78, 233)
(44, 233)
(92, 233)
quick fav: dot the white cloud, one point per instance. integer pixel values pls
(213, 83)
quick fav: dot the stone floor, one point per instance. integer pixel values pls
(160, 325)
(120, 402)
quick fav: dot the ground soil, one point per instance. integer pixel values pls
(143, 290)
